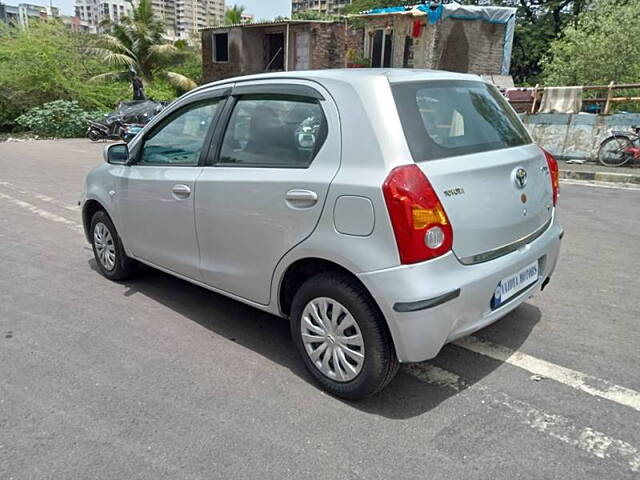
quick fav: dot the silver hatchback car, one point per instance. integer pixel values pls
(384, 212)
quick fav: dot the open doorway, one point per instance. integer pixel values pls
(381, 48)
(275, 52)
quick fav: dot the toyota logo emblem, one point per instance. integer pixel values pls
(520, 177)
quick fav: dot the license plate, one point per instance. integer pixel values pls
(511, 285)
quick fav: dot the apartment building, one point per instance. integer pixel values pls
(333, 7)
(165, 10)
(182, 18)
(94, 12)
(193, 15)
(23, 13)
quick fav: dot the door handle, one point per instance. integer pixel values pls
(181, 191)
(299, 198)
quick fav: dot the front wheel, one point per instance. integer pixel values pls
(110, 256)
(342, 336)
(613, 151)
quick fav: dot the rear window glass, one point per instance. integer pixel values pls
(448, 118)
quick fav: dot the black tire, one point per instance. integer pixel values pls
(611, 152)
(94, 136)
(123, 266)
(380, 361)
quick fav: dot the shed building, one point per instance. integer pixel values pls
(244, 49)
(453, 37)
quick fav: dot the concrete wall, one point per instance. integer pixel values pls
(329, 45)
(212, 71)
(575, 136)
(469, 46)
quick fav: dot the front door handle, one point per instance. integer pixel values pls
(300, 198)
(181, 191)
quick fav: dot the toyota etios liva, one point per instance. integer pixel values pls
(384, 212)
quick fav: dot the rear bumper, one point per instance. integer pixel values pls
(433, 303)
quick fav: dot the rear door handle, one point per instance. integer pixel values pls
(300, 198)
(181, 191)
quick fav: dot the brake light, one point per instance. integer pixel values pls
(555, 175)
(420, 224)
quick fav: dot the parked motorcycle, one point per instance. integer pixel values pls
(125, 123)
(110, 129)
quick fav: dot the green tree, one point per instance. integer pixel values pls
(47, 62)
(137, 42)
(539, 22)
(602, 46)
(313, 15)
(358, 6)
(233, 15)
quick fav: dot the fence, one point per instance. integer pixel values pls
(607, 101)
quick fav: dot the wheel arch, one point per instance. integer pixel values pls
(90, 206)
(304, 268)
(89, 209)
(298, 271)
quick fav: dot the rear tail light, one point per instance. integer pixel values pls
(420, 224)
(555, 175)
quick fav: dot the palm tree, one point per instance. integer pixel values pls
(233, 15)
(137, 42)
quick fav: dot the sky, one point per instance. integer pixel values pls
(261, 9)
(266, 9)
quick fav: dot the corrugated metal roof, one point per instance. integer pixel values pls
(266, 24)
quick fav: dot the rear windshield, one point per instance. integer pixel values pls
(448, 118)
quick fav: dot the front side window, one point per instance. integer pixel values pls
(274, 131)
(447, 118)
(179, 141)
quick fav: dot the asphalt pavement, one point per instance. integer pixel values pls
(156, 378)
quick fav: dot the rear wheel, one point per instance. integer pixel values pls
(342, 336)
(112, 261)
(613, 152)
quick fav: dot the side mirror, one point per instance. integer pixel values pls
(116, 154)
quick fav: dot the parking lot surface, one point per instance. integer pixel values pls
(157, 378)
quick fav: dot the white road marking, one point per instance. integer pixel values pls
(572, 378)
(39, 211)
(590, 183)
(596, 443)
(39, 196)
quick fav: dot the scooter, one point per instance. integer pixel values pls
(111, 129)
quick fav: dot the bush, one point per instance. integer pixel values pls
(47, 62)
(161, 91)
(60, 118)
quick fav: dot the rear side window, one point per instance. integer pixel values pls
(274, 131)
(448, 118)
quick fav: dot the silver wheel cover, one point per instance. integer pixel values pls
(105, 248)
(332, 339)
